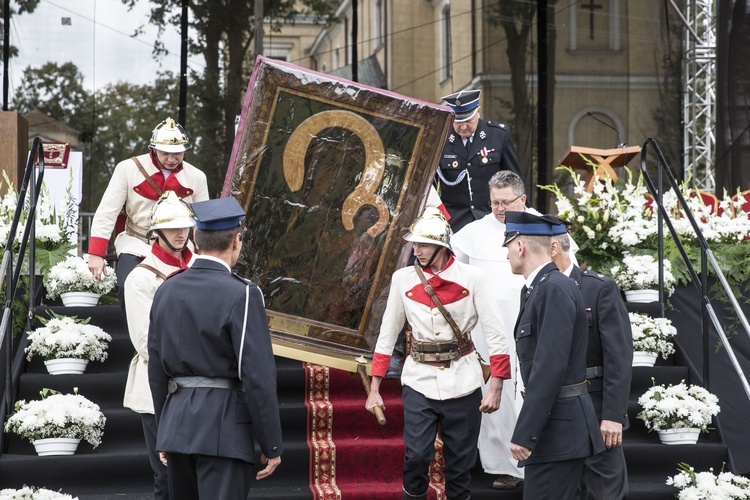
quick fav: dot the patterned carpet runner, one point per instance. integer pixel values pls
(351, 456)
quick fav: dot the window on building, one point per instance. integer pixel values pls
(446, 54)
(379, 23)
(594, 25)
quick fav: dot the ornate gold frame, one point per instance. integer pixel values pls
(294, 124)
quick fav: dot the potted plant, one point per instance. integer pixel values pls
(73, 282)
(67, 344)
(638, 277)
(33, 493)
(651, 338)
(57, 423)
(678, 412)
(693, 484)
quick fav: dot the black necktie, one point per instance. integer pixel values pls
(524, 294)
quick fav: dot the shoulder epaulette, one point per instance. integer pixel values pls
(245, 281)
(496, 124)
(590, 274)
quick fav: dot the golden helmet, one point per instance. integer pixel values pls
(432, 228)
(170, 137)
(170, 212)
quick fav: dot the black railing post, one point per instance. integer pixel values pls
(705, 319)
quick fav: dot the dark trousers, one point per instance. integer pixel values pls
(200, 477)
(125, 263)
(553, 480)
(459, 420)
(605, 476)
(161, 484)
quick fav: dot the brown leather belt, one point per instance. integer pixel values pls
(135, 231)
(439, 353)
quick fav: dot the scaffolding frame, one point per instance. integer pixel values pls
(699, 96)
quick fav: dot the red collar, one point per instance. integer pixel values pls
(170, 259)
(448, 264)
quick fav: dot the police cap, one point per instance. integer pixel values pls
(218, 214)
(518, 223)
(464, 103)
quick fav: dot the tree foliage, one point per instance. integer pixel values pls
(222, 32)
(16, 7)
(55, 89)
(116, 121)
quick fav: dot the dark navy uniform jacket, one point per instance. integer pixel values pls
(610, 344)
(551, 336)
(198, 328)
(491, 150)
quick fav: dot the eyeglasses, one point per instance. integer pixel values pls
(503, 203)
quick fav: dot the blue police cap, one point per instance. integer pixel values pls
(464, 103)
(218, 214)
(518, 223)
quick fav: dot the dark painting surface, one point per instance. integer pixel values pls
(331, 175)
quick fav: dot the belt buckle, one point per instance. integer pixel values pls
(172, 386)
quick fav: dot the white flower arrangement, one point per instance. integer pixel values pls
(68, 337)
(53, 233)
(652, 334)
(678, 407)
(33, 493)
(73, 275)
(641, 272)
(58, 416)
(707, 485)
(617, 217)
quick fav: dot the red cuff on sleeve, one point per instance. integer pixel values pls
(380, 364)
(98, 246)
(500, 366)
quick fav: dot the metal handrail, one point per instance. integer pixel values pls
(32, 184)
(700, 282)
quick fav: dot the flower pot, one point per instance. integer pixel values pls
(66, 366)
(55, 446)
(80, 299)
(642, 295)
(679, 436)
(643, 358)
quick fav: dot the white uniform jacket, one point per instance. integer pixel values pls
(140, 287)
(466, 295)
(129, 189)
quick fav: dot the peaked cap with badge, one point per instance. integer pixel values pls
(218, 214)
(489, 150)
(518, 223)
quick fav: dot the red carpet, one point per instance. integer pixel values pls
(351, 456)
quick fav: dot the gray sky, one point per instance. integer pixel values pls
(98, 41)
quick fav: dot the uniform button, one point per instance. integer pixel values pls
(469, 164)
(437, 333)
(435, 312)
(533, 439)
(275, 448)
(442, 368)
(522, 330)
(409, 294)
(472, 207)
(464, 292)
(137, 190)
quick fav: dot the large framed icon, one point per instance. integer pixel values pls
(331, 173)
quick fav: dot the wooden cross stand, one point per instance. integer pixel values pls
(604, 162)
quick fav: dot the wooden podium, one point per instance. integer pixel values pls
(604, 160)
